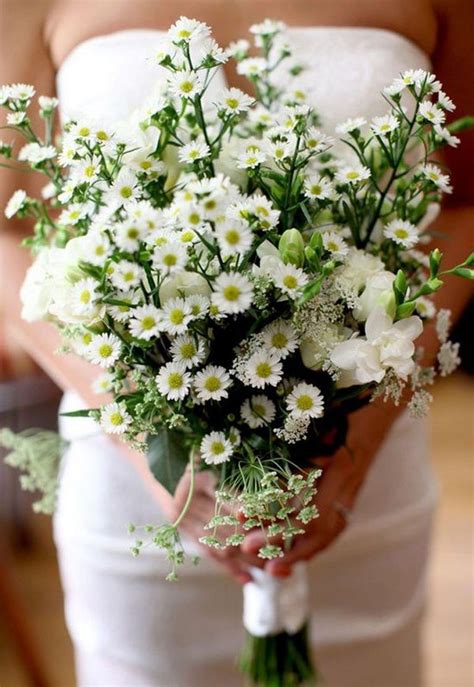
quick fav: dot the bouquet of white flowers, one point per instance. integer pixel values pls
(242, 288)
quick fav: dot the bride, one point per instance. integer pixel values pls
(369, 547)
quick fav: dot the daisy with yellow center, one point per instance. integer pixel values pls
(305, 401)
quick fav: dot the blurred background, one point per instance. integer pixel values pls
(34, 646)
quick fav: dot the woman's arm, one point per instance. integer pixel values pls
(345, 472)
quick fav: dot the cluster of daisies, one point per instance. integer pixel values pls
(230, 274)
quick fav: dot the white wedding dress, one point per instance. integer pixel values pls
(130, 628)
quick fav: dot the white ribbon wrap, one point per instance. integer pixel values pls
(273, 605)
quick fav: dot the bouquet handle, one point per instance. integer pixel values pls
(275, 615)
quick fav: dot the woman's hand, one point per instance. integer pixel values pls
(343, 475)
(200, 512)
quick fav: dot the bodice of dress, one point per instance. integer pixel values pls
(345, 69)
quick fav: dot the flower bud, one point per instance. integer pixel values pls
(291, 247)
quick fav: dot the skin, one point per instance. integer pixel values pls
(35, 38)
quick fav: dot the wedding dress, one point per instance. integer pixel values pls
(130, 627)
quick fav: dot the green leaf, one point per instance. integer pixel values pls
(168, 457)
(80, 413)
(464, 272)
(461, 124)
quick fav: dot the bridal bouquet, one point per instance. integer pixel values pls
(243, 281)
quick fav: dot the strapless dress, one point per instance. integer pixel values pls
(131, 628)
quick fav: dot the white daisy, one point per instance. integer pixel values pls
(445, 102)
(185, 84)
(305, 401)
(445, 134)
(382, 126)
(170, 257)
(318, 187)
(175, 316)
(233, 239)
(128, 235)
(124, 188)
(335, 244)
(185, 30)
(316, 141)
(145, 322)
(233, 100)
(280, 338)
(84, 295)
(16, 118)
(257, 411)
(21, 91)
(114, 418)
(352, 174)
(233, 293)
(47, 104)
(289, 279)
(252, 66)
(350, 125)
(262, 207)
(188, 350)
(238, 49)
(216, 448)
(103, 383)
(425, 307)
(36, 153)
(431, 112)
(199, 305)
(87, 170)
(104, 350)
(126, 275)
(73, 214)
(432, 173)
(97, 247)
(173, 381)
(263, 368)
(196, 150)
(251, 158)
(16, 203)
(402, 232)
(211, 383)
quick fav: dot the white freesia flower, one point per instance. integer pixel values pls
(216, 448)
(386, 345)
(173, 381)
(38, 288)
(184, 284)
(358, 267)
(378, 292)
(305, 400)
